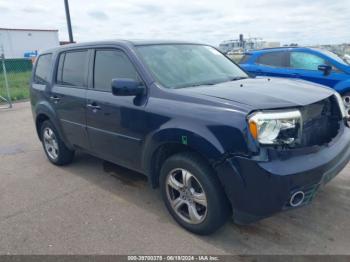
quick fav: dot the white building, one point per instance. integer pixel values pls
(20, 43)
(245, 44)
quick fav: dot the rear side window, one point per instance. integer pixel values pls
(110, 64)
(272, 59)
(72, 68)
(245, 58)
(43, 68)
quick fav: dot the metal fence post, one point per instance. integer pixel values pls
(8, 100)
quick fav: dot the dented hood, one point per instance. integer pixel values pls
(264, 93)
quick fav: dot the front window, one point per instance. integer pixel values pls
(185, 65)
(110, 64)
(305, 61)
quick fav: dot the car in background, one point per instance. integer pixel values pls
(312, 64)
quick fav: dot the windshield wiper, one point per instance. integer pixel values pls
(203, 84)
(213, 83)
(238, 78)
(198, 84)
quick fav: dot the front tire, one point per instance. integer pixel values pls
(192, 193)
(346, 100)
(54, 148)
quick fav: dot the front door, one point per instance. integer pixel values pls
(115, 124)
(305, 66)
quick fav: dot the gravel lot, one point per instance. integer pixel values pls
(94, 207)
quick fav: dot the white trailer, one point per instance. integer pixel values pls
(21, 43)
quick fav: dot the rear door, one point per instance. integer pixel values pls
(41, 77)
(68, 95)
(272, 64)
(116, 124)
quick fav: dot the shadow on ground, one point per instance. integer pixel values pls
(314, 229)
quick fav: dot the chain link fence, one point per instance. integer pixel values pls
(14, 80)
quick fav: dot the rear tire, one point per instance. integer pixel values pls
(54, 148)
(192, 193)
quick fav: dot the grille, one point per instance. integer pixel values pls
(310, 192)
(321, 122)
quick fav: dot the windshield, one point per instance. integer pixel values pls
(186, 65)
(334, 56)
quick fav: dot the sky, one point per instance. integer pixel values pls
(305, 22)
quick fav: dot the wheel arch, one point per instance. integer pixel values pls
(168, 142)
(44, 112)
(343, 87)
(40, 119)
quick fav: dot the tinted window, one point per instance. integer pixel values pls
(110, 64)
(71, 68)
(244, 59)
(42, 70)
(306, 61)
(272, 59)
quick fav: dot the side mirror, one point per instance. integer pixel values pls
(127, 87)
(326, 69)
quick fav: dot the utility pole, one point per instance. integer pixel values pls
(69, 25)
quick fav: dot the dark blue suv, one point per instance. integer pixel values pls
(311, 64)
(216, 142)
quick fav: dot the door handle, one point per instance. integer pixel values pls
(93, 106)
(55, 99)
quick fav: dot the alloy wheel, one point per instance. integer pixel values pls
(50, 143)
(186, 196)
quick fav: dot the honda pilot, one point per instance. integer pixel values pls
(217, 142)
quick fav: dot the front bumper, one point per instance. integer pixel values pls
(259, 189)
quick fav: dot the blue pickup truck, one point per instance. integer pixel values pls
(311, 64)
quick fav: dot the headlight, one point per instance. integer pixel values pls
(276, 127)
